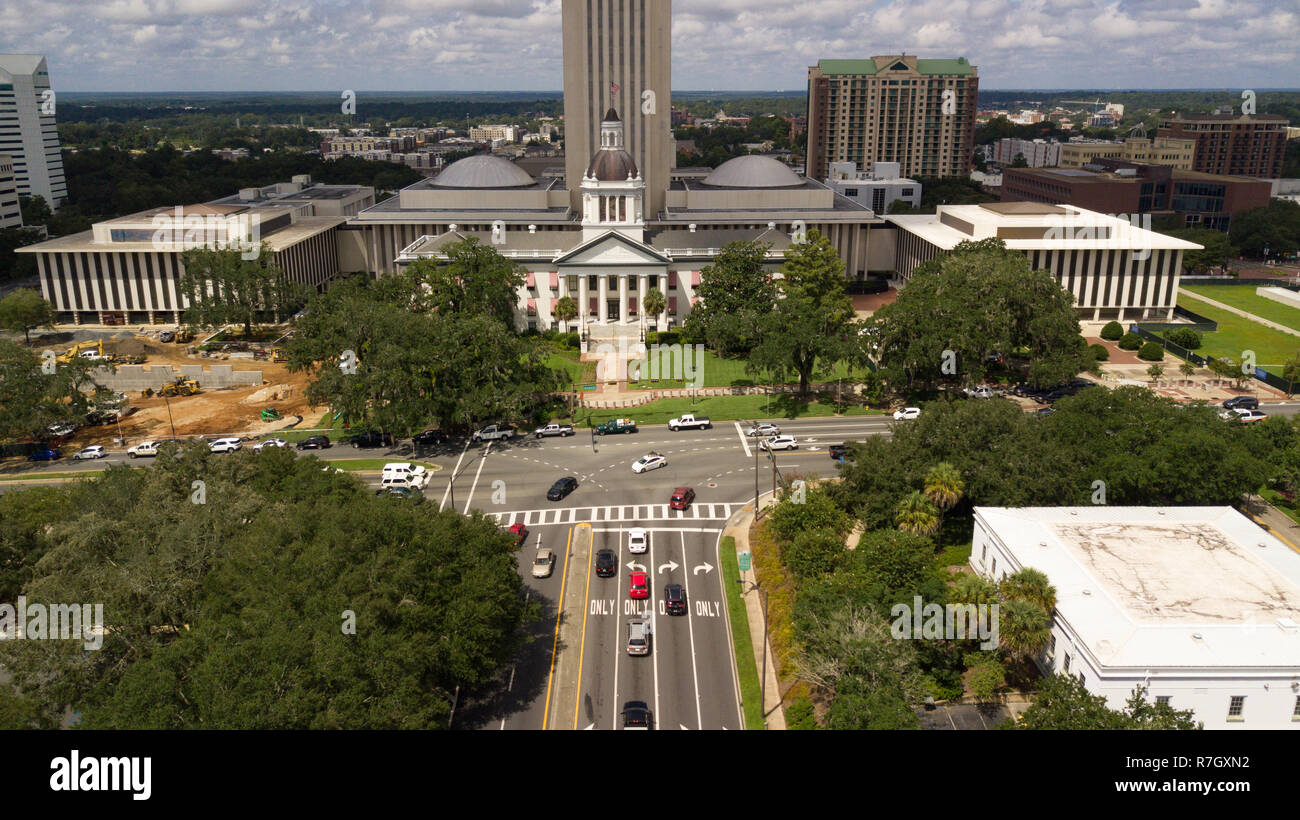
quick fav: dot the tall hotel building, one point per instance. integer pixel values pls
(891, 109)
(27, 135)
(614, 51)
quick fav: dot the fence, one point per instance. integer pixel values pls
(1271, 379)
(1195, 321)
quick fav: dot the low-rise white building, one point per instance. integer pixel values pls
(876, 189)
(1198, 604)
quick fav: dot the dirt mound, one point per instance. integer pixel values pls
(276, 392)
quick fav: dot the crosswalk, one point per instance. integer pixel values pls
(639, 513)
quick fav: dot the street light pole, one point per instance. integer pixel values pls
(169, 414)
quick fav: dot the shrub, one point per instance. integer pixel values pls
(800, 715)
(1130, 341)
(1112, 331)
(1099, 352)
(668, 337)
(652, 337)
(812, 553)
(1184, 337)
(987, 678)
(573, 339)
(1151, 352)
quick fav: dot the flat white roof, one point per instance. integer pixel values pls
(1070, 223)
(1144, 587)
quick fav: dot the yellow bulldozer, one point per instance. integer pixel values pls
(181, 387)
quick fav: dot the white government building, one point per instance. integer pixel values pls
(1198, 604)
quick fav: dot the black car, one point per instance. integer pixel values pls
(314, 443)
(837, 451)
(1045, 411)
(1241, 402)
(675, 599)
(429, 438)
(400, 492)
(637, 715)
(606, 564)
(371, 439)
(561, 488)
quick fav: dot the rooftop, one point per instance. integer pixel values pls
(1034, 226)
(874, 65)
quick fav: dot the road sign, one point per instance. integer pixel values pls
(744, 561)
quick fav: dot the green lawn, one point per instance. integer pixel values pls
(577, 372)
(52, 476)
(746, 668)
(1243, 297)
(718, 409)
(713, 370)
(1236, 334)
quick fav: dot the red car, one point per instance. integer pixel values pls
(520, 532)
(638, 586)
(682, 498)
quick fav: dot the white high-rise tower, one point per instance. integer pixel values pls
(27, 131)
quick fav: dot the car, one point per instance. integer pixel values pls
(396, 491)
(166, 336)
(681, 498)
(907, 413)
(544, 563)
(649, 461)
(429, 438)
(562, 488)
(637, 540)
(519, 532)
(143, 449)
(553, 430)
(779, 443)
(675, 599)
(493, 432)
(371, 439)
(93, 451)
(270, 442)
(1252, 416)
(638, 586)
(837, 451)
(606, 564)
(1244, 402)
(639, 634)
(637, 715)
(764, 429)
(615, 426)
(314, 443)
(982, 391)
(689, 421)
(224, 445)
(61, 430)
(1045, 411)
(44, 454)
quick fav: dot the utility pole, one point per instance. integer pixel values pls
(755, 479)
(169, 414)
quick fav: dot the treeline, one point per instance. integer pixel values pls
(715, 146)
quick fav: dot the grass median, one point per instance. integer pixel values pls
(746, 667)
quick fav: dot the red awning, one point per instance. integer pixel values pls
(695, 277)
(555, 280)
(672, 278)
(532, 282)
(631, 303)
(594, 299)
(532, 305)
(672, 304)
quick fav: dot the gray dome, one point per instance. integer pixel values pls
(753, 171)
(483, 171)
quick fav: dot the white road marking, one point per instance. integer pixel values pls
(454, 471)
(690, 623)
(477, 473)
(743, 442)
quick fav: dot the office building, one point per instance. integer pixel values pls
(27, 131)
(614, 52)
(917, 112)
(11, 215)
(1198, 605)
(1171, 151)
(1230, 143)
(1037, 153)
(878, 189)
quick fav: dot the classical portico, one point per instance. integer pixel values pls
(608, 277)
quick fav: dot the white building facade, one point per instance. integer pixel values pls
(27, 131)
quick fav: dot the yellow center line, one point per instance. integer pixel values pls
(582, 645)
(559, 613)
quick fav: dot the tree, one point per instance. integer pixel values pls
(817, 511)
(1130, 341)
(473, 279)
(1023, 628)
(811, 553)
(735, 292)
(566, 310)
(1217, 252)
(813, 320)
(1155, 371)
(1031, 585)
(222, 287)
(1187, 368)
(973, 589)
(1275, 227)
(32, 399)
(1151, 352)
(1019, 161)
(1184, 337)
(1291, 372)
(655, 304)
(918, 515)
(944, 486)
(1112, 331)
(1063, 702)
(24, 309)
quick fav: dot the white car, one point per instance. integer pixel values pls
(1251, 416)
(225, 445)
(93, 451)
(637, 540)
(649, 461)
(270, 442)
(764, 429)
(907, 413)
(144, 448)
(543, 563)
(404, 474)
(983, 391)
(779, 443)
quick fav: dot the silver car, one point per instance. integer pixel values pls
(544, 563)
(93, 451)
(764, 429)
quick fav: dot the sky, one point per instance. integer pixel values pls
(493, 45)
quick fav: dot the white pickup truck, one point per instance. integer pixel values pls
(494, 432)
(689, 421)
(554, 430)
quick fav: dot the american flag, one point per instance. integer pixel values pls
(613, 88)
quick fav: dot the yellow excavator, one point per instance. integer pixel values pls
(79, 348)
(181, 387)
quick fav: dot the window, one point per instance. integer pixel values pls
(592, 283)
(1162, 699)
(1051, 647)
(1066, 666)
(613, 282)
(1295, 713)
(654, 281)
(852, 193)
(1236, 706)
(984, 553)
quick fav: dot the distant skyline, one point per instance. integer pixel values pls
(732, 45)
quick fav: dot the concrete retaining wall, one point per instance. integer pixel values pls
(137, 377)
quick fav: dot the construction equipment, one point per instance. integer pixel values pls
(79, 348)
(181, 387)
(270, 414)
(277, 355)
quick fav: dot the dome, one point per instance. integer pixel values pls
(612, 166)
(483, 171)
(753, 171)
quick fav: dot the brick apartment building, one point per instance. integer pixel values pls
(1248, 145)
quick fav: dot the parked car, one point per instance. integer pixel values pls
(519, 532)
(637, 715)
(562, 488)
(493, 432)
(61, 430)
(764, 429)
(606, 564)
(429, 438)
(681, 498)
(44, 454)
(1244, 402)
(649, 461)
(314, 443)
(544, 563)
(779, 443)
(225, 445)
(371, 439)
(270, 442)
(397, 491)
(638, 586)
(553, 429)
(982, 391)
(675, 599)
(637, 540)
(638, 637)
(166, 336)
(837, 451)
(907, 413)
(93, 451)
(143, 449)
(1252, 416)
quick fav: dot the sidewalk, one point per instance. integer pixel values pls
(1274, 520)
(738, 528)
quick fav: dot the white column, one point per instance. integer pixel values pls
(602, 298)
(622, 299)
(663, 288)
(642, 283)
(583, 304)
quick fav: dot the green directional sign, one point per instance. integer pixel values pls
(744, 561)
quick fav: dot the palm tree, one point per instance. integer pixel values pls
(1155, 371)
(918, 515)
(1291, 372)
(566, 310)
(944, 486)
(1030, 585)
(1187, 368)
(972, 589)
(655, 303)
(1023, 628)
